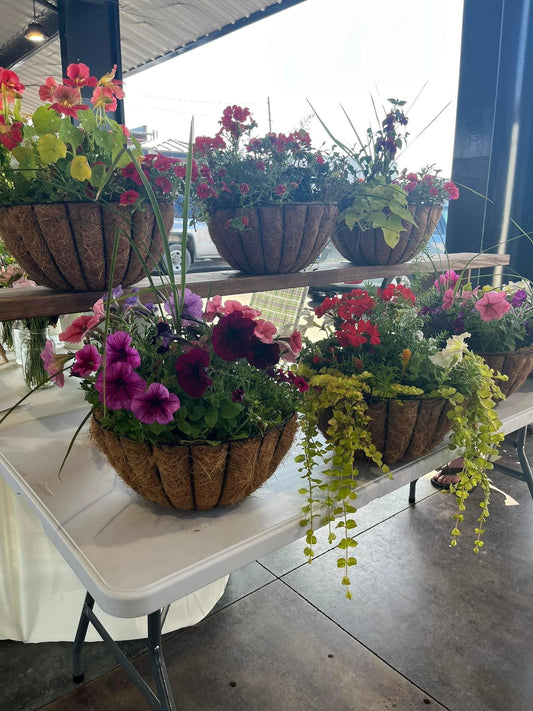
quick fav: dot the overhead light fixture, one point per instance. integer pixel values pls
(35, 32)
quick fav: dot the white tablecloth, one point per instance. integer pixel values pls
(40, 597)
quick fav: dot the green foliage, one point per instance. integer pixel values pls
(45, 158)
(371, 192)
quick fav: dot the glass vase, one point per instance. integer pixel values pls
(33, 342)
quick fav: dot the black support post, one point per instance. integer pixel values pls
(90, 33)
(493, 150)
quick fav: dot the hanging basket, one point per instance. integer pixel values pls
(196, 476)
(517, 365)
(368, 247)
(403, 430)
(278, 239)
(69, 246)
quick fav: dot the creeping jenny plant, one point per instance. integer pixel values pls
(372, 351)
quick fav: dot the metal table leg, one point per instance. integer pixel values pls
(412, 492)
(164, 701)
(526, 474)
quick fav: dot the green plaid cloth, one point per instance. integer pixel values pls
(283, 307)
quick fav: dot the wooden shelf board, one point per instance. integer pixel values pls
(41, 301)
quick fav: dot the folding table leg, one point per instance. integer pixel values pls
(412, 491)
(83, 624)
(522, 458)
(159, 669)
(164, 700)
(526, 474)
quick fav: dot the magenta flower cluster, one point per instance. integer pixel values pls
(151, 361)
(496, 319)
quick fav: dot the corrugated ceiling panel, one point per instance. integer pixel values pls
(149, 30)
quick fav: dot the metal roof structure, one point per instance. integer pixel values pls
(151, 31)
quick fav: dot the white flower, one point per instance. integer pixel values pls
(453, 353)
(513, 286)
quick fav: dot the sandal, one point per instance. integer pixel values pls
(448, 472)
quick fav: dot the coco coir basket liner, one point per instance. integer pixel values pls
(405, 429)
(517, 365)
(69, 246)
(196, 476)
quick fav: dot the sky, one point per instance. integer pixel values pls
(332, 53)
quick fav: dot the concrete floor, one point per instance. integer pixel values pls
(430, 626)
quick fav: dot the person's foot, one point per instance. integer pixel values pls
(447, 475)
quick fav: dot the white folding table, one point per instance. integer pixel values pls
(135, 558)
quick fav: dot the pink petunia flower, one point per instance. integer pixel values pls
(493, 305)
(98, 308)
(79, 328)
(214, 308)
(86, 361)
(54, 363)
(448, 279)
(265, 331)
(448, 299)
(293, 347)
(122, 384)
(157, 404)
(247, 311)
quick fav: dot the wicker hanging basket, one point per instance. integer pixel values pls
(368, 247)
(68, 246)
(517, 365)
(278, 238)
(196, 476)
(403, 430)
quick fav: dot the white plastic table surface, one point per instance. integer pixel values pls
(134, 557)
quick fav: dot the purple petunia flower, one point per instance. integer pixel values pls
(132, 300)
(237, 395)
(87, 361)
(122, 384)
(157, 404)
(118, 350)
(232, 336)
(518, 298)
(191, 371)
(192, 306)
(116, 293)
(263, 355)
